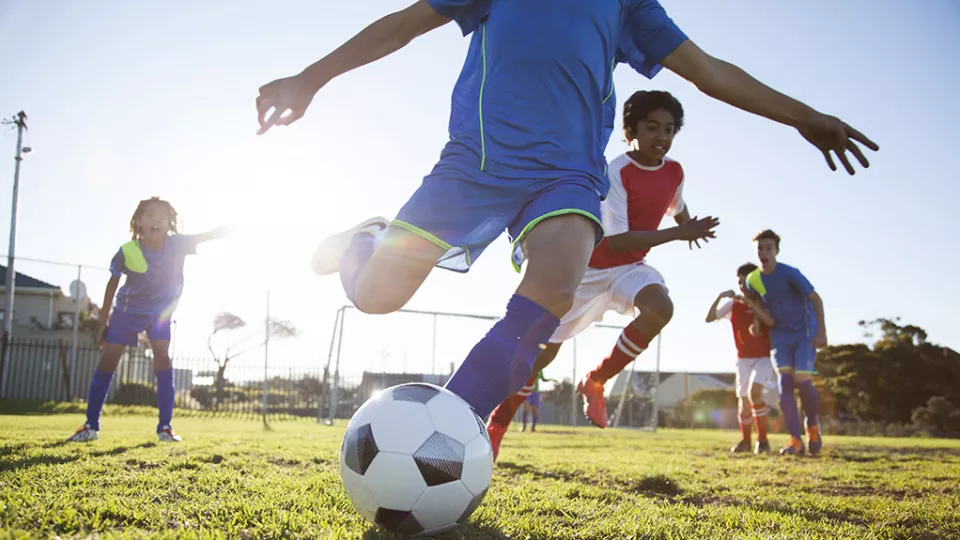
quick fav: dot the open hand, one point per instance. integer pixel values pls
(288, 98)
(698, 229)
(830, 134)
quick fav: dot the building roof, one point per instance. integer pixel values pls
(24, 280)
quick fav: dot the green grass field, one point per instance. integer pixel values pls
(233, 479)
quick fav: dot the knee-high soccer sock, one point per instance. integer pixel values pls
(361, 248)
(630, 344)
(96, 397)
(505, 412)
(502, 361)
(788, 405)
(746, 423)
(165, 395)
(810, 399)
(525, 415)
(760, 411)
(533, 419)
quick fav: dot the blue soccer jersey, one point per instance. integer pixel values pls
(785, 293)
(155, 292)
(529, 102)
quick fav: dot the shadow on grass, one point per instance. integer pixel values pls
(869, 454)
(657, 485)
(467, 531)
(46, 459)
(8, 449)
(666, 489)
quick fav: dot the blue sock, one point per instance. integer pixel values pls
(810, 399)
(354, 259)
(165, 394)
(788, 405)
(524, 418)
(96, 397)
(500, 364)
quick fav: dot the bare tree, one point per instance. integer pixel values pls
(240, 343)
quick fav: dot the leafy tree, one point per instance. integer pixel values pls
(888, 381)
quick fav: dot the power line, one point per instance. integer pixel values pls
(59, 263)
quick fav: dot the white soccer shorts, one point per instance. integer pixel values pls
(752, 371)
(603, 290)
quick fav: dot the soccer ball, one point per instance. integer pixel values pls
(416, 460)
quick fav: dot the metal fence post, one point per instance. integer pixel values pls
(334, 403)
(266, 356)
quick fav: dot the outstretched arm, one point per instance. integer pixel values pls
(383, 37)
(691, 230)
(730, 84)
(215, 234)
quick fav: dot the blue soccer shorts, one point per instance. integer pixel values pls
(124, 328)
(464, 209)
(795, 356)
(534, 399)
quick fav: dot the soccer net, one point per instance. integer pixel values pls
(367, 353)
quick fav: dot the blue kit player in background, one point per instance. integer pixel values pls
(513, 163)
(153, 264)
(798, 330)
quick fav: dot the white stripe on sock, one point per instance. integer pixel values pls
(631, 344)
(761, 412)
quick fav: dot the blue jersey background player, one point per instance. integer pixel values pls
(153, 265)
(797, 332)
(513, 163)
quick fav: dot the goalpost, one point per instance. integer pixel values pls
(368, 353)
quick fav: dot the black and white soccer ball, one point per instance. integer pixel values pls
(416, 460)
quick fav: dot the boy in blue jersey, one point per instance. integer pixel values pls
(513, 163)
(153, 265)
(797, 332)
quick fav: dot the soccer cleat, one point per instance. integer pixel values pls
(326, 259)
(594, 406)
(793, 448)
(166, 434)
(814, 442)
(523, 428)
(496, 432)
(762, 447)
(84, 434)
(742, 446)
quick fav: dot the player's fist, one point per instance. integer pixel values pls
(819, 341)
(728, 294)
(288, 98)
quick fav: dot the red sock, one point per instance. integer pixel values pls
(505, 412)
(746, 424)
(760, 411)
(630, 344)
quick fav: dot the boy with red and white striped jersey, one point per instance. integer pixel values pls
(645, 186)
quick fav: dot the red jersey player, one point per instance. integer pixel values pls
(645, 186)
(751, 332)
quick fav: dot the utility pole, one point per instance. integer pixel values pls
(20, 120)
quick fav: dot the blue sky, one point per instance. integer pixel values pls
(128, 100)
